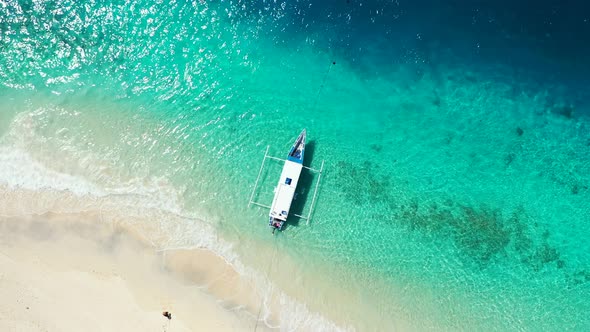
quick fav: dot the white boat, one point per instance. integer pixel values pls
(285, 189)
(287, 185)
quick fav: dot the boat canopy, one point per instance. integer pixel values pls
(285, 190)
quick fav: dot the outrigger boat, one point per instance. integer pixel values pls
(285, 189)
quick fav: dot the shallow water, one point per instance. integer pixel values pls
(456, 143)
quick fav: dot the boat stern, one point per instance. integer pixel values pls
(276, 223)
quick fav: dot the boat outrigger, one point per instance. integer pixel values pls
(285, 189)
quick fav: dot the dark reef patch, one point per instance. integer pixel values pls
(448, 139)
(376, 147)
(575, 189)
(561, 109)
(483, 234)
(436, 100)
(509, 159)
(361, 184)
(579, 277)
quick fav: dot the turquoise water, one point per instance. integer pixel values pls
(455, 195)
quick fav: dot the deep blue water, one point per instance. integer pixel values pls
(543, 41)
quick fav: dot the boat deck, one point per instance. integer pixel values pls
(285, 190)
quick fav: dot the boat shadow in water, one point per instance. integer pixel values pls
(304, 190)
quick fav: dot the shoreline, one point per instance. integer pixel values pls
(62, 272)
(190, 252)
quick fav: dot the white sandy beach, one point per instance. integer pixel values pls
(60, 273)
